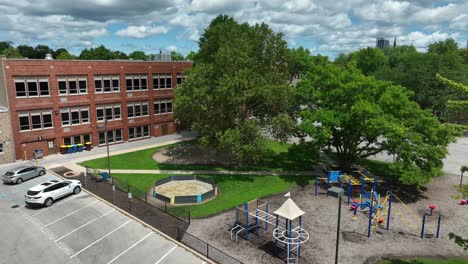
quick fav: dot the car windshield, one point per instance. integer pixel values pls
(32, 193)
(9, 173)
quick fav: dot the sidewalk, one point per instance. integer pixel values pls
(70, 160)
(224, 172)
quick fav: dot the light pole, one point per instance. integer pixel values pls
(463, 169)
(337, 192)
(107, 144)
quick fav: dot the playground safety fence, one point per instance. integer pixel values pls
(208, 250)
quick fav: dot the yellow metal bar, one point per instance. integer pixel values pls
(408, 209)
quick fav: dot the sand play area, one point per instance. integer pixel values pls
(183, 188)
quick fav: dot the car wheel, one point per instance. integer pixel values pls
(41, 173)
(76, 190)
(19, 181)
(48, 202)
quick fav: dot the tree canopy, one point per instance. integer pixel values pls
(359, 116)
(237, 88)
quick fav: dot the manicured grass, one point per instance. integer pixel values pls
(426, 261)
(233, 189)
(280, 157)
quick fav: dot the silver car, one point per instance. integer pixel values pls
(22, 173)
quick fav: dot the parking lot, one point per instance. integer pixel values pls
(78, 229)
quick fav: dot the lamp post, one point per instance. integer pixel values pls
(337, 192)
(107, 144)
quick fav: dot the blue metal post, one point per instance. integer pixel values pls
(422, 227)
(371, 209)
(350, 187)
(246, 209)
(438, 226)
(362, 185)
(276, 240)
(154, 192)
(266, 222)
(299, 245)
(389, 210)
(316, 185)
(375, 184)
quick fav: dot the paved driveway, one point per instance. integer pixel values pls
(78, 229)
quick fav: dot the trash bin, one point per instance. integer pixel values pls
(69, 149)
(38, 154)
(74, 148)
(88, 146)
(63, 149)
(80, 147)
(105, 176)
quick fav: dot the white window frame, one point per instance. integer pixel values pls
(160, 102)
(30, 115)
(104, 108)
(158, 77)
(32, 79)
(72, 139)
(70, 111)
(133, 105)
(135, 129)
(67, 80)
(114, 137)
(111, 79)
(134, 77)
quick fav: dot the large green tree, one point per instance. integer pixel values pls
(138, 55)
(369, 60)
(358, 116)
(101, 53)
(237, 88)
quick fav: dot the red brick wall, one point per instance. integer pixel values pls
(28, 141)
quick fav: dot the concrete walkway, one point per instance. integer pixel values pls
(224, 172)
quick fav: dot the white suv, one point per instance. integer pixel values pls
(46, 193)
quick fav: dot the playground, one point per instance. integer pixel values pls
(403, 239)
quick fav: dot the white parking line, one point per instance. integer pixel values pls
(167, 254)
(78, 228)
(90, 245)
(55, 221)
(45, 210)
(125, 251)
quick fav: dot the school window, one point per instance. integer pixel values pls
(179, 78)
(137, 109)
(162, 81)
(113, 136)
(71, 85)
(79, 139)
(31, 86)
(74, 116)
(136, 82)
(35, 120)
(106, 83)
(163, 107)
(109, 112)
(138, 132)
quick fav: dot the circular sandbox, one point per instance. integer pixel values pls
(184, 189)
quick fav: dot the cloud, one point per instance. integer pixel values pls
(142, 31)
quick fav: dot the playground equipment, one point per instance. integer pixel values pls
(464, 201)
(290, 238)
(338, 177)
(378, 211)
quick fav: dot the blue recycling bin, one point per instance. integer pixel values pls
(74, 148)
(80, 147)
(105, 176)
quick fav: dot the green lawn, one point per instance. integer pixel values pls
(426, 261)
(233, 189)
(280, 157)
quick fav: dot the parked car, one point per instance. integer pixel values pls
(22, 173)
(48, 192)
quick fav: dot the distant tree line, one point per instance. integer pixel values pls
(8, 49)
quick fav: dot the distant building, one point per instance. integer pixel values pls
(160, 57)
(382, 43)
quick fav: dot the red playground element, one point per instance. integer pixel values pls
(463, 202)
(380, 220)
(356, 191)
(432, 206)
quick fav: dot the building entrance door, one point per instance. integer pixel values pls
(51, 147)
(165, 129)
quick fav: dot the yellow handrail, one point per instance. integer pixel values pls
(408, 209)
